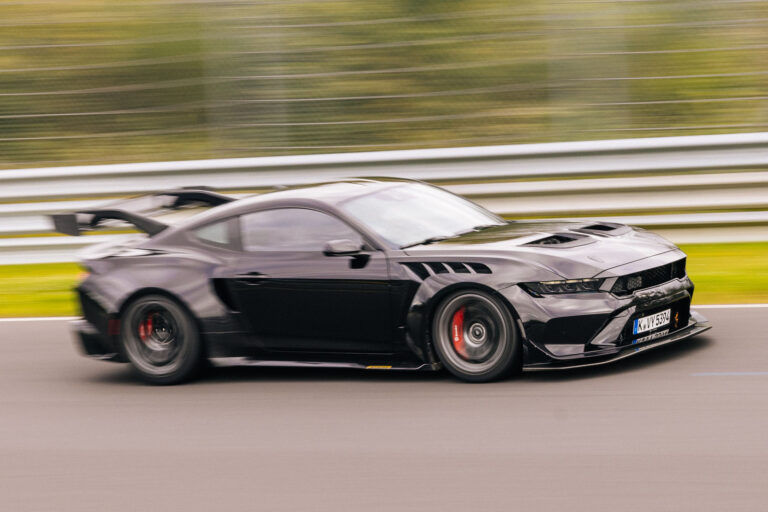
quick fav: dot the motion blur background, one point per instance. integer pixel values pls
(100, 81)
(119, 81)
(94, 82)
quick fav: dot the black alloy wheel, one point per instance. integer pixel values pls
(161, 341)
(475, 337)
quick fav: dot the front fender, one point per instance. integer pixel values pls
(431, 293)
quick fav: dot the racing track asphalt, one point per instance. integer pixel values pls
(681, 428)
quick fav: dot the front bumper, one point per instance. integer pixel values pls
(696, 325)
(584, 329)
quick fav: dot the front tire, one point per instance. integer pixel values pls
(475, 337)
(161, 340)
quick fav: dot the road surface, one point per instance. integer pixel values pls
(681, 428)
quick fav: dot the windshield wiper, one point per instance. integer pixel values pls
(430, 240)
(478, 228)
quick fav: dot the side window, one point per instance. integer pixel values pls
(217, 233)
(292, 229)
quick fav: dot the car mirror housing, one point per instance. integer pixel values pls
(342, 247)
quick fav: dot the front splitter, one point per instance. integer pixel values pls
(620, 353)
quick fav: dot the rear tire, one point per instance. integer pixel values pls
(475, 337)
(161, 341)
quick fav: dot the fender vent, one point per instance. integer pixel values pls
(426, 269)
(479, 268)
(461, 268)
(437, 268)
(418, 269)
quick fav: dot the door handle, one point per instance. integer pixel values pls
(251, 278)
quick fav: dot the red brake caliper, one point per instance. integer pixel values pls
(145, 328)
(457, 332)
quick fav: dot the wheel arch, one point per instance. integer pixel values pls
(430, 308)
(150, 290)
(146, 291)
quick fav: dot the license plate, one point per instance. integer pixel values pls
(651, 337)
(651, 322)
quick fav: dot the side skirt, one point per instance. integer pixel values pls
(246, 361)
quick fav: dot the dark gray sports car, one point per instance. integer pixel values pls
(374, 274)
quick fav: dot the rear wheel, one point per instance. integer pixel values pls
(475, 337)
(161, 341)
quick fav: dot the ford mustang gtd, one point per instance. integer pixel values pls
(371, 274)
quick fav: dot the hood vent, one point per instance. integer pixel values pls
(557, 239)
(600, 227)
(426, 269)
(604, 229)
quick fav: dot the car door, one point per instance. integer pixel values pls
(296, 297)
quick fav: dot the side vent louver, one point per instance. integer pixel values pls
(426, 269)
(459, 268)
(479, 268)
(437, 268)
(418, 269)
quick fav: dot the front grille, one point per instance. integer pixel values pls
(649, 278)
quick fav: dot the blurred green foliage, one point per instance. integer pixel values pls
(88, 81)
(723, 274)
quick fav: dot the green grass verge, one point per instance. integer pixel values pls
(723, 273)
(728, 273)
(38, 290)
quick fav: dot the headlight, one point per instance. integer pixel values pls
(567, 286)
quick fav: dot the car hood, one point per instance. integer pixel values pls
(572, 250)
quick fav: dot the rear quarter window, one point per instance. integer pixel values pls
(217, 233)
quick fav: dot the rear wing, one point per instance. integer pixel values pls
(141, 212)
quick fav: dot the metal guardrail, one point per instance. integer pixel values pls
(696, 173)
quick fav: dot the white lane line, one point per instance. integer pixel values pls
(729, 306)
(40, 319)
(727, 374)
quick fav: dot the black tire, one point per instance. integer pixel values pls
(161, 341)
(475, 337)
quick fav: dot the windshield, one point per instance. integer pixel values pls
(413, 213)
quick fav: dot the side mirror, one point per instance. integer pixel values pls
(341, 248)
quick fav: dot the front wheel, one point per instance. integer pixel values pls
(161, 341)
(475, 337)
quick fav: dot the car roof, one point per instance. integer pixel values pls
(331, 192)
(327, 193)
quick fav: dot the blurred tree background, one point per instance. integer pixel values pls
(90, 81)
